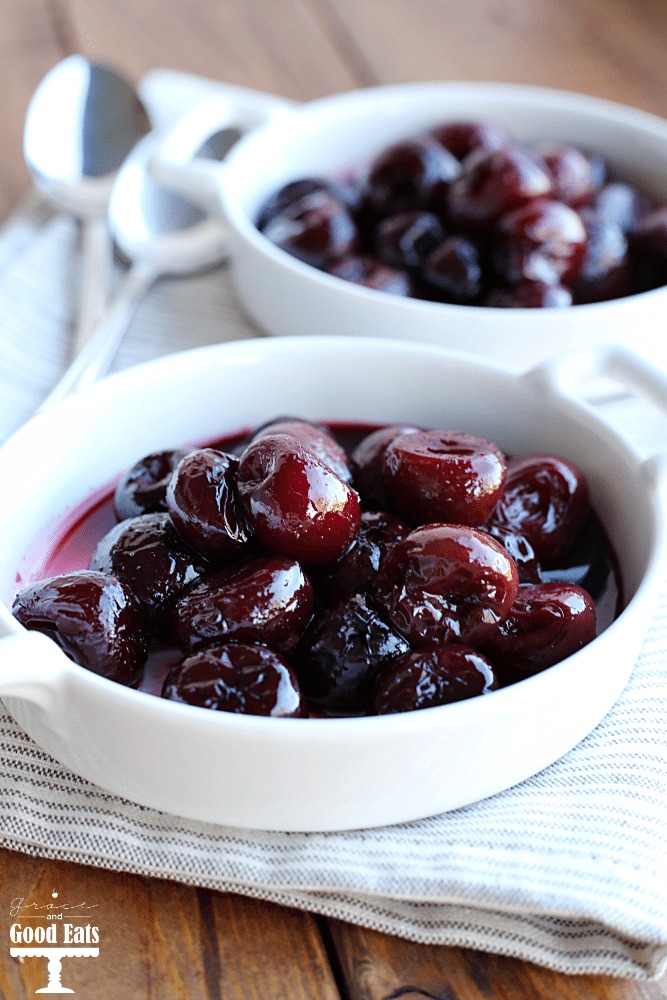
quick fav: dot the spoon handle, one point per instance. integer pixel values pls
(99, 352)
(95, 274)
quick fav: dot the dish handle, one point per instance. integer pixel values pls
(561, 375)
(176, 162)
(32, 669)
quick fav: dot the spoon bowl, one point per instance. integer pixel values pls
(82, 122)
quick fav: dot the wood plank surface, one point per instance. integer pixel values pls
(29, 46)
(164, 940)
(378, 967)
(613, 49)
(159, 939)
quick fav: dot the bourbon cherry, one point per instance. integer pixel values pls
(295, 191)
(342, 651)
(355, 571)
(435, 675)
(204, 507)
(247, 679)
(296, 505)
(574, 175)
(316, 229)
(605, 268)
(443, 476)
(530, 295)
(147, 554)
(92, 617)
(405, 240)
(545, 499)
(546, 623)
(543, 241)
(368, 463)
(492, 183)
(313, 438)
(267, 600)
(622, 204)
(409, 175)
(453, 271)
(519, 549)
(446, 583)
(143, 489)
(371, 273)
(462, 137)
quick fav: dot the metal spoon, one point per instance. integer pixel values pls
(82, 122)
(162, 233)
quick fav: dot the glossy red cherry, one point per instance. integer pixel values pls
(296, 505)
(342, 651)
(405, 240)
(463, 137)
(575, 177)
(313, 438)
(435, 675)
(622, 204)
(453, 271)
(204, 507)
(443, 476)
(316, 229)
(355, 571)
(408, 175)
(267, 600)
(143, 489)
(545, 499)
(295, 191)
(446, 583)
(519, 549)
(492, 183)
(590, 563)
(530, 295)
(371, 273)
(92, 617)
(605, 268)
(147, 554)
(546, 623)
(368, 463)
(252, 680)
(543, 241)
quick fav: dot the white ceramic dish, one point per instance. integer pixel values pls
(319, 774)
(325, 137)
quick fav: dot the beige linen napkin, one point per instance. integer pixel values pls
(568, 869)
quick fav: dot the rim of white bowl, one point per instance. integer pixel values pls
(619, 114)
(290, 727)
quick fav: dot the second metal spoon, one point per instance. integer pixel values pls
(82, 122)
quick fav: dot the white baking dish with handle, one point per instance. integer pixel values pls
(338, 136)
(321, 774)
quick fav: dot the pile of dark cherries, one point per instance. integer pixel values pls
(463, 214)
(301, 579)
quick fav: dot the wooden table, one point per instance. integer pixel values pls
(162, 939)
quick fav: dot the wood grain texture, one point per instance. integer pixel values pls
(164, 940)
(283, 48)
(378, 967)
(614, 49)
(29, 46)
